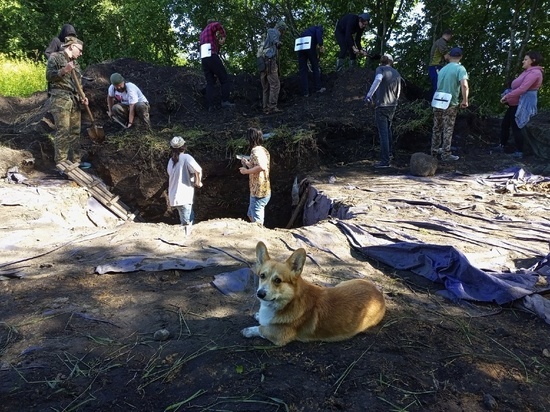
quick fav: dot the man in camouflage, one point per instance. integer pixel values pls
(65, 101)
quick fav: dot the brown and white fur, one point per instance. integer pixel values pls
(294, 309)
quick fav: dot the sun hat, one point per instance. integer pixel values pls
(116, 78)
(455, 52)
(177, 142)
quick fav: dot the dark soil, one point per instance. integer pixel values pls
(73, 340)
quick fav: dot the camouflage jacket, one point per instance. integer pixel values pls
(60, 83)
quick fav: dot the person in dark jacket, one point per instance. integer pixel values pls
(346, 27)
(57, 42)
(384, 94)
(311, 55)
(65, 101)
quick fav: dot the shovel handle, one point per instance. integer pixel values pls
(82, 95)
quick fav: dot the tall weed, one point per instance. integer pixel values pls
(21, 77)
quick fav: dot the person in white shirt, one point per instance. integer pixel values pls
(126, 101)
(184, 175)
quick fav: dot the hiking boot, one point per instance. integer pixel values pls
(449, 157)
(381, 165)
(517, 155)
(227, 105)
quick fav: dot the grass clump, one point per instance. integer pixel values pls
(21, 77)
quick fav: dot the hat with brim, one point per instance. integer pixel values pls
(70, 40)
(177, 142)
(388, 56)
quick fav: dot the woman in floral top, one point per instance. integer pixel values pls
(257, 169)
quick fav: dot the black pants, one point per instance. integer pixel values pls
(303, 57)
(213, 69)
(508, 121)
(344, 50)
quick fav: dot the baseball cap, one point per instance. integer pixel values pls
(177, 142)
(455, 52)
(365, 16)
(70, 40)
(388, 56)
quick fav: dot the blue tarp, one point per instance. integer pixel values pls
(447, 265)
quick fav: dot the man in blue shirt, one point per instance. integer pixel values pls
(452, 79)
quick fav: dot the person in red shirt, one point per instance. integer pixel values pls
(211, 39)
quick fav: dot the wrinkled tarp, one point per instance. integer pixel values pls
(233, 282)
(447, 265)
(142, 262)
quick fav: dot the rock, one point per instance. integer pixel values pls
(161, 334)
(422, 164)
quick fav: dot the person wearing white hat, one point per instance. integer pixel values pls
(184, 175)
(384, 94)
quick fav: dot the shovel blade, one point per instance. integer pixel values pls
(97, 134)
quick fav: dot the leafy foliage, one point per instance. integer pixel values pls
(495, 34)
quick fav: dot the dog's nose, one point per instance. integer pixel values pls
(261, 293)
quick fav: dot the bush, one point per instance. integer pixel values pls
(21, 77)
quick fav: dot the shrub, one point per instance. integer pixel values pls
(21, 77)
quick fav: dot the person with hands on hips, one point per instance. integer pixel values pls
(257, 169)
(126, 102)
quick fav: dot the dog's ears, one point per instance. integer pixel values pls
(296, 261)
(261, 253)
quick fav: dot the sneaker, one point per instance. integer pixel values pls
(449, 157)
(227, 105)
(381, 165)
(498, 149)
(517, 155)
(85, 165)
(322, 90)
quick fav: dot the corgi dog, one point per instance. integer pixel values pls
(294, 309)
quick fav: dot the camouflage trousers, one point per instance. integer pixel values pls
(442, 133)
(141, 111)
(66, 114)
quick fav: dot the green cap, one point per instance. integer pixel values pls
(116, 78)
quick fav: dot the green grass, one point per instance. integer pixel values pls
(21, 77)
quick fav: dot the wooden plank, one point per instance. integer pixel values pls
(97, 188)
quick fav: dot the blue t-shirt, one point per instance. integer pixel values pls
(449, 78)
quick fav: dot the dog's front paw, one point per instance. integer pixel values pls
(257, 316)
(251, 332)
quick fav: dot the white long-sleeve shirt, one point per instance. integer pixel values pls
(181, 179)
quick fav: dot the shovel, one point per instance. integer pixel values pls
(95, 132)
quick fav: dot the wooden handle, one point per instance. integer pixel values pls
(82, 95)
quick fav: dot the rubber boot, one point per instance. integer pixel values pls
(339, 64)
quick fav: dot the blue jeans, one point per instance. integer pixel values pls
(187, 215)
(383, 117)
(256, 209)
(433, 72)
